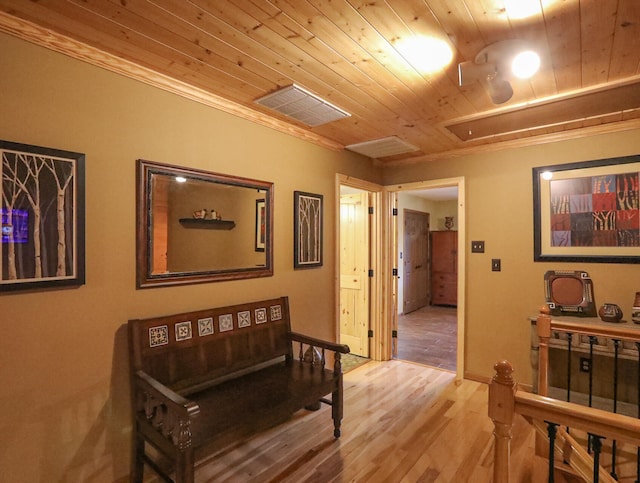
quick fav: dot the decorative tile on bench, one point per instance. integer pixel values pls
(183, 331)
(205, 326)
(261, 316)
(226, 322)
(158, 336)
(244, 319)
(276, 312)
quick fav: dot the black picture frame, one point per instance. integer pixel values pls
(43, 217)
(307, 230)
(261, 230)
(603, 213)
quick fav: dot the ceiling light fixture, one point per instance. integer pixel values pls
(426, 54)
(522, 8)
(496, 64)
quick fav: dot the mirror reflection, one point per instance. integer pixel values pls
(198, 226)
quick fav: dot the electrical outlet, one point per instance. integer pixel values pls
(477, 247)
(496, 265)
(585, 364)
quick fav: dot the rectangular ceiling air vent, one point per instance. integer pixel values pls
(302, 105)
(381, 148)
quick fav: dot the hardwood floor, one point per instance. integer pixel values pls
(429, 336)
(402, 422)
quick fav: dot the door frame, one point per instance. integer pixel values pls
(375, 255)
(391, 251)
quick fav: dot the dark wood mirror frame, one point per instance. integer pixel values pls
(149, 275)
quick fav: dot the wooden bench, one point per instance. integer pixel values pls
(203, 379)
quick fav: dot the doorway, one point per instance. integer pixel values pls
(445, 317)
(358, 287)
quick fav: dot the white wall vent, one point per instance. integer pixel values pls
(381, 148)
(302, 105)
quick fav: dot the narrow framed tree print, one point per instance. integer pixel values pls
(307, 230)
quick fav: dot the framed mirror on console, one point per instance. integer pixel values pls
(195, 226)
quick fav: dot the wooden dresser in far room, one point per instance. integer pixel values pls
(444, 267)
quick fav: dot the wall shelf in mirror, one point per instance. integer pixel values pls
(209, 224)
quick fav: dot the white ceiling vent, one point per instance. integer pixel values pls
(295, 102)
(381, 148)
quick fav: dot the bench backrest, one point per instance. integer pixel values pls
(186, 350)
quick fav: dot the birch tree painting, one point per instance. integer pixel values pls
(307, 230)
(42, 206)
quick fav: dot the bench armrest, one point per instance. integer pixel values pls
(322, 344)
(164, 409)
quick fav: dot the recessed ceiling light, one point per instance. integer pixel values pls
(426, 54)
(525, 64)
(522, 8)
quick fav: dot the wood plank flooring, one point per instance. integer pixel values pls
(429, 336)
(403, 422)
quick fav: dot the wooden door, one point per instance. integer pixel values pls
(415, 261)
(354, 271)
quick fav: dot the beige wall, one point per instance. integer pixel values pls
(63, 355)
(499, 210)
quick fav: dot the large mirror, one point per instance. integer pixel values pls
(195, 226)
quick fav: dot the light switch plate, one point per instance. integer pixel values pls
(495, 265)
(477, 247)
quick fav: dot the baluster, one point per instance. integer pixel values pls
(569, 338)
(592, 340)
(638, 404)
(596, 442)
(551, 431)
(614, 445)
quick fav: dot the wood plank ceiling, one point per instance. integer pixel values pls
(228, 53)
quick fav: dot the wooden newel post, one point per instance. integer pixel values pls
(543, 326)
(501, 408)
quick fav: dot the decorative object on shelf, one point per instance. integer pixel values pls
(307, 230)
(569, 293)
(42, 188)
(635, 311)
(587, 211)
(213, 215)
(610, 312)
(200, 214)
(448, 222)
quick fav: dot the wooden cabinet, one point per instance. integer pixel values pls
(444, 267)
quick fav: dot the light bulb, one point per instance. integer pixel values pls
(525, 64)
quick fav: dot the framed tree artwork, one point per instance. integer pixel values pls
(42, 215)
(307, 230)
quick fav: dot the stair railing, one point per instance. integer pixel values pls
(505, 400)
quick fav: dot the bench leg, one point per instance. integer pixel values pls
(336, 409)
(313, 407)
(137, 458)
(185, 472)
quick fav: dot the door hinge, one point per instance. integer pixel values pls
(370, 333)
(394, 272)
(394, 334)
(394, 212)
(371, 210)
(370, 272)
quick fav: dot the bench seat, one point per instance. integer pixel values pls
(202, 380)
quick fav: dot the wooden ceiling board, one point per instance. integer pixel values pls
(626, 41)
(227, 53)
(598, 25)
